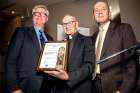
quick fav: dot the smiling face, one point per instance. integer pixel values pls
(101, 12)
(40, 17)
(70, 24)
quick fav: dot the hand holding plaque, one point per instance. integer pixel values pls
(58, 73)
(54, 55)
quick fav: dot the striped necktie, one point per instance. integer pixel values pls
(42, 40)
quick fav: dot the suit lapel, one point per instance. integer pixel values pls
(95, 36)
(34, 39)
(108, 39)
(49, 38)
(75, 48)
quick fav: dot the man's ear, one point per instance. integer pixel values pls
(109, 14)
(47, 19)
(77, 24)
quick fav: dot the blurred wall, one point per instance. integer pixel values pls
(130, 13)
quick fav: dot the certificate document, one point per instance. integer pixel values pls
(54, 55)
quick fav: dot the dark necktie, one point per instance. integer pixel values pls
(42, 40)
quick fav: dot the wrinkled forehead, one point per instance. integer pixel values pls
(68, 19)
(100, 4)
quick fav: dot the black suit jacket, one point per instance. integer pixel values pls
(80, 67)
(21, 61)
(118, 73)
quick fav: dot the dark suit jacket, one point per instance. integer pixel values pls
(80, 66)
(21, 61)
(118, 73)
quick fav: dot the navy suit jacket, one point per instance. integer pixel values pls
(22, 57)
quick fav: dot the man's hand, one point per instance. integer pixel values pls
(58, 73)
(117, 92)
(17, 91)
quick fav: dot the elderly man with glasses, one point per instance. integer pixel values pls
(23, 53)
(77, 78)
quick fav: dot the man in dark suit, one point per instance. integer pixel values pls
(77, 78)
(118, 74)
(23, 54)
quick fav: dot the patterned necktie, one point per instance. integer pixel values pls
(42, 40)
(98, 53)
(98, 47)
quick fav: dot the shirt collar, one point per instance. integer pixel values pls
(38, 28)
(38, 33)
(72, 37)
(104, 26)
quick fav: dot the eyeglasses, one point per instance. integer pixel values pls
(69, 23)
(40, 14)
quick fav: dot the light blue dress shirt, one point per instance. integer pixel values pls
(38, 34)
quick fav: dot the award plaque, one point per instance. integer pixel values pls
(53, 55)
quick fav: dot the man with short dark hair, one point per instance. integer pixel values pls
(118, 74)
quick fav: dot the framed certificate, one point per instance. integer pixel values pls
(54, 54)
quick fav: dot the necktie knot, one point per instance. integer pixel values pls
(101, 28)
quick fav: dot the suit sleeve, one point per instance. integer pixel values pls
(129, 64)
(12, 59)
(84, 72)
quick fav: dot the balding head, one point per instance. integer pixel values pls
(68, 18)
(70, 24)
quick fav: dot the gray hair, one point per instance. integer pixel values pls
(41, 6)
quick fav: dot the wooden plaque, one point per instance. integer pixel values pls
(54, 55)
